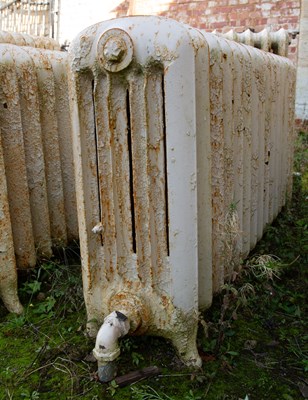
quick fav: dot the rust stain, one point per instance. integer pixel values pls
(22, 72)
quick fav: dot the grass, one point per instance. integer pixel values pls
(255, 346)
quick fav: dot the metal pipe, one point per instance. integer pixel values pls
(106, 348)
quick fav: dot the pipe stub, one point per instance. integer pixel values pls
(108, 372)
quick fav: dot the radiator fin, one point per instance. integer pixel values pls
(15, 162)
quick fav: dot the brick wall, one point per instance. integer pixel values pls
(224, 14)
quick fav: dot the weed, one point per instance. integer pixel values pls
(136, 358)
(112, 388)
(191, 396)
(128, 347)
(32, 287)
(53, 290)
(15, 322)
(46, 307)
(26, 395)
(264, 267)
(301, 158)
(148, 393)
(305, 364)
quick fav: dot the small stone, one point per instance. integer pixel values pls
(41, 296)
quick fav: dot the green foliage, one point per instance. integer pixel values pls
(301, 158)
(16, 321)
(192, 396)
(26, 395)
(52, 290)
(112, 388)
(129, 347)
(46, 307)
(31, 287)
(148, 393)
(264, 267)
(136, 358)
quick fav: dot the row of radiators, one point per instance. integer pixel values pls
(251, 95)
(23, 39)
(37, 152)
(267, 40)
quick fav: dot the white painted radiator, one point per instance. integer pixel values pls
(38, 202)
(275, 42)
(176, 134)
(23, 39)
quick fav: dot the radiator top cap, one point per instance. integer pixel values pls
(115, 50)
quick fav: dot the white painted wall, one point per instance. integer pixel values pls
(302, 66)
(76, 15)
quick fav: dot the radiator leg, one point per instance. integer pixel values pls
(8, 293)
(184, 339)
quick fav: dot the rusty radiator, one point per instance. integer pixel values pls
(38, 206)
(252, 113)
(23, 39)
(180, 137)
(275, 42)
